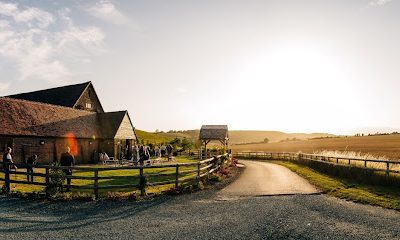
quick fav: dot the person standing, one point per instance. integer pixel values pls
(163, 149)
(67, 160)
(141, 155)
(7, 160)
(7, 163)
(135, 154)
(169, 152)
(30, 163)
(156, 152)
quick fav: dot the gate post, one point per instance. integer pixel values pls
(7, 177)
(142, 182)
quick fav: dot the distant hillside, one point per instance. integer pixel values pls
(236, 136)
(380, 146)
(239, 136)
(148, 137)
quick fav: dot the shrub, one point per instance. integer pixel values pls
(223, 171)
(3, 189)
(199, 186)
(215, 178)
(70, 196)
(174, 191)
(56, 180)
(113, 195)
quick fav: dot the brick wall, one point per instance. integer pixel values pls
(23, 147)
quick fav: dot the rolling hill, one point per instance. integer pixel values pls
(235, 136)
(381, 146)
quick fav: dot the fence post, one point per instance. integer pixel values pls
(47, 172)
(176, 175)
(337, 160)
(387, 170)
(365, 163)
(349, 161)
(96, 183)
(142, 182)
(7, 177)
(198, 170)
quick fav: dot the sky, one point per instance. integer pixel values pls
(293, 66)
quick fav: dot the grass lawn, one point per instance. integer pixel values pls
(107, 173)
(387, 197)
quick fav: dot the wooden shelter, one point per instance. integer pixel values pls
(210, 133)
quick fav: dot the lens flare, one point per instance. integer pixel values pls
(72, 143)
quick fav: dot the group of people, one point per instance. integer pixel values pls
(66, 160)
(141, 153)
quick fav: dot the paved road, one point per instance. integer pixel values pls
(262, 178)
(203, 215)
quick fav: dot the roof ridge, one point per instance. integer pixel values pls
(45, 104)
(84, 83)
(122, 111)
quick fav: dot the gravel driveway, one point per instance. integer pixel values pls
(203, 215)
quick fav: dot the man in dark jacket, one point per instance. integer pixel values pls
(30, 163)
(169, 152)
(67, 160)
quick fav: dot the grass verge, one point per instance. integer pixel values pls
(38, 191)
(384, 196)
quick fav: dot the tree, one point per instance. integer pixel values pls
(186, 144)
(175, 142)
(266, 140)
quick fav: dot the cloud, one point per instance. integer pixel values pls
(29, 15)
(379, 2)
(106, 11)
(4, 86)
(39, 52)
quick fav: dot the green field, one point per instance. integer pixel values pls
(134, 173)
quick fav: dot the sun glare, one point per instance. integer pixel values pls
(291, 81)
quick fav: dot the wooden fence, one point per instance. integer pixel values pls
(199, 153)
(197, 171)
(387, 166)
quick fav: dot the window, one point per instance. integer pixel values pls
(88, 105)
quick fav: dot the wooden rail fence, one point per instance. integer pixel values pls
(387, 166)
(197, 171)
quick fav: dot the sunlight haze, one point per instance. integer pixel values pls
(294, 66)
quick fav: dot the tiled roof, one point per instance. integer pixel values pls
(213, 132)
(110, 122)
(65, 96)
(26, 118)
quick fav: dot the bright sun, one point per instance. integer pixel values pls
(293, 81)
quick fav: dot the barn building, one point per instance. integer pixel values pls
(45, 122)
